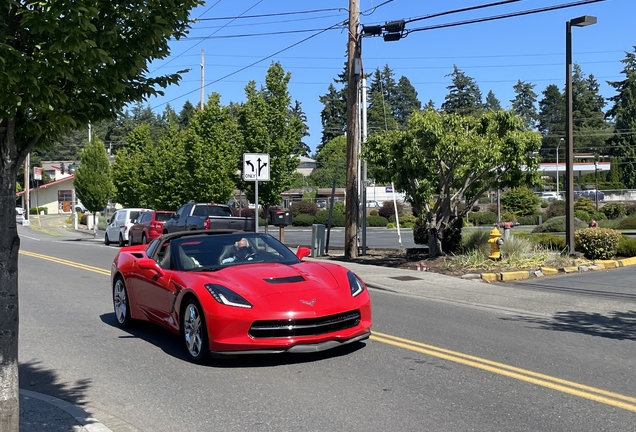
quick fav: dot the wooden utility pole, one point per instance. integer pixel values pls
(353, 132)
(202, 79)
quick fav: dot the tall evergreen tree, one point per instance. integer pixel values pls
(590, 131)
(333, 116)
(406, 101)
(464, 96)
(623, 114)
(492, 103)
(129, 168)
(301, 148)
(551, 119)
(381, 99)
(524, 103)
(186, 114)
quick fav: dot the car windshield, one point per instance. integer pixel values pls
(217, 251)
(162, 217)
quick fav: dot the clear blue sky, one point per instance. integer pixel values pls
(496, 53)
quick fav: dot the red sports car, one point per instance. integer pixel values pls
(228, 292)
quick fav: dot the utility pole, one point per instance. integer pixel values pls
(363, 170)
(202, 79)
(353, 132)
(27, 167)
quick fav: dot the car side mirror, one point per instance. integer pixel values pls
(148, 264)
(108, 220)
(303, 252)
(174, 216)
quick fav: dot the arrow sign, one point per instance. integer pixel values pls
(255, 167)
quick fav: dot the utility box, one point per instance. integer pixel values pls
(317, 240)
(281, 218)
(539, 219)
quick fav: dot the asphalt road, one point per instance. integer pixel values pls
(459, 366)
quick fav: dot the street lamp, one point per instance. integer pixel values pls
(569, 148)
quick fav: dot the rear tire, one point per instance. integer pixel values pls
(106, 240)
(130, 241)
(120, 303)
(194, 332)
(144, 240)
(121, 240)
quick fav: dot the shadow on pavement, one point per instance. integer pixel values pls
(172, 345)
(35, 378)
(615, 325)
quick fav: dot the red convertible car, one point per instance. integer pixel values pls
(227, 292)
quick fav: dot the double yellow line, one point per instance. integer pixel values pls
(66, 262)
(587, 392)
(569, 387)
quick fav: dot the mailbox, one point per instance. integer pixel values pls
(282, 218)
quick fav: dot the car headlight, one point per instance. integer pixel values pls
(226, 296)
(355, 284)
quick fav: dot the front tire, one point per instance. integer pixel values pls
(194, 332)
(120, 303)
(106, 239)
(130, 241)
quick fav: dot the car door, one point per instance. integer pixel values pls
(112, 230)
(137, 229)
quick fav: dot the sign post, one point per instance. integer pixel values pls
(37, 175)
(255, 168)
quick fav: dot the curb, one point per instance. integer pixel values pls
(88, 423)
(549, 271)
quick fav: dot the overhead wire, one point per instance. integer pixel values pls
(272, 14)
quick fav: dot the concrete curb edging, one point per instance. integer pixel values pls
(549, 271)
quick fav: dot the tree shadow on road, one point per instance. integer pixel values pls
(35, 378)
(614, 325)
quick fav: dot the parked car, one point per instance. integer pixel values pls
(79, 207)
(19, 211)
(119, 225)
(549, 196)
(373, 203)
(270, 301)
(591, 194)
(206, 216)
(148, 227)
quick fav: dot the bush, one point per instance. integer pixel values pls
(627, 223)
(337, 219)
(508, 216)
(549, 241)
(476, 240)
(556, 208)
(373, 213)
(520, 200)
(482, 218)
(597, 243)
(303, 220)
(387, 210)
(37, 210)
(581, 214)
(406, 221)
(390, 225)
(377, 221)
(557, 224)
(544, 204)
(303, 207)
(516, 248)
(626, 247)
(614, 210)
(527, 220)
(584, 204)
(631, 209)
(599, 216)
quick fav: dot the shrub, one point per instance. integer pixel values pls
(373, 213)
(303, 220)
(520, 200)
(390, 225)
(614, 210)
(387, 209)
(557, 224)
(303, 207)
(101, 223)
(377, 221)
(556, 208)
(631, 209)
(597, 243)
(581, 214)
(544, 204)
(482, 218)
(476, 240)
(584, 204)
(627, 223)
(516, 247)
(339, 207)
(626, 247)
(508, 216)
(37, 210)
(527, 220)
(549, 241)
(599, 216)
(337, 219)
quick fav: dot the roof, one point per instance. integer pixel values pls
(306, 159)
(44, 186)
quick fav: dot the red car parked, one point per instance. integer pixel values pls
(148, 227)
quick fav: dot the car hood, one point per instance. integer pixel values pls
(261, 280)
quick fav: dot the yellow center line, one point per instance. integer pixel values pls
(569, 387)
(554, 383)
(66, 262)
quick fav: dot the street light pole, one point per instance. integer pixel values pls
(569, 148)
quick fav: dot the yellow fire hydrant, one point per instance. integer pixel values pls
(495, 241)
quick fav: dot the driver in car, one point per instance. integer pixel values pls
(241, 252)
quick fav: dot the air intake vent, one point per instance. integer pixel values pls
(283, 280)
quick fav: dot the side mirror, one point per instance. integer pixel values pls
(174, 216)
(108, 220)
(303, 252)
(148, 264)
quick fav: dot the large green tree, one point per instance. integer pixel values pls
(623, 114)
(524, 103)
(464, 96)
(301, 148)
(331, 161)
(442, 160)
(93, 180)
(552, 120)
(333, 116)
(492, 103)
(129, 168)
(65, 63)
(268, 125)
(590, 130)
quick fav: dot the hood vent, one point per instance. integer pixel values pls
(284, 280)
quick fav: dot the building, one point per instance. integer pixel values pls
(306, 165)
(55, 196)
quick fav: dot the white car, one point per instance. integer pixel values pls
(119, 225)
(19, 211)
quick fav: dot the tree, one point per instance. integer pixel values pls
(65, 64)
(524, 103)
(93, 181)
(464, 96)
(492, 103)
(129, 168)
(405, 101)
(301, 148)
(551, 118)
(186, 114)
(589, 126)
(333, 116)
(268, 126)
(623, 113)
(331, 161)
(442, 160)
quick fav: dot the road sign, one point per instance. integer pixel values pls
(37, 173)
(255, 167)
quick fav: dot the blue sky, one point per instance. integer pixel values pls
(496, 53)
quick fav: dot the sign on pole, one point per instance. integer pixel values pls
(255, 167)
(37, 173)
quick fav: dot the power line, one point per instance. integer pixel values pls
(261, 34)
(466, 9)
(272, 14)
(272, 22)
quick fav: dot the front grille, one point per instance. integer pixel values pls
(304, 327)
